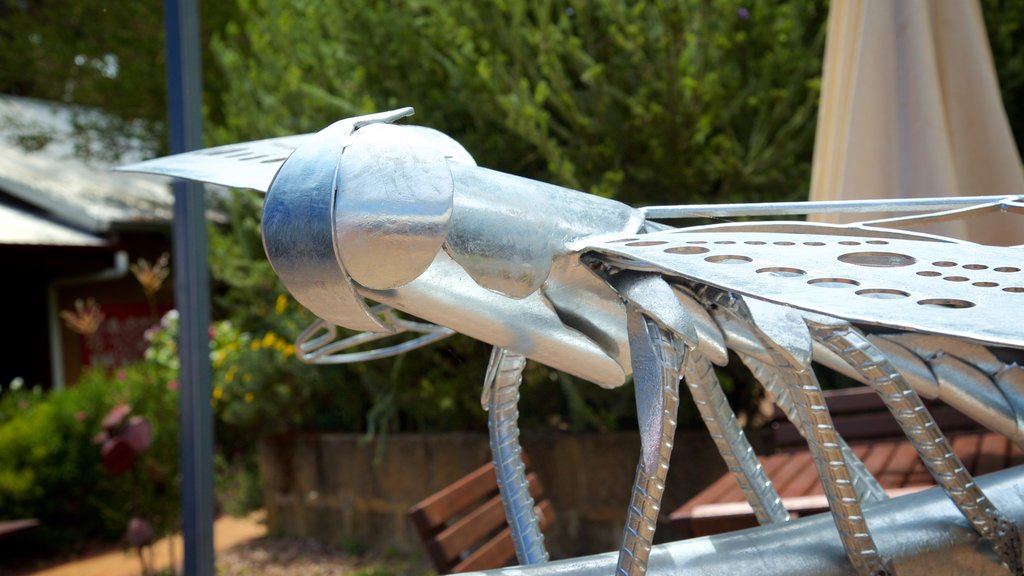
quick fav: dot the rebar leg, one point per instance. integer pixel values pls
(657, 359)
(732, 444)
(501, 389)
(919, 426)
(837, 479)
(775, 383)
(823, 440)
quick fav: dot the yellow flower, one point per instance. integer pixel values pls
(254, 345)
(249, 397)
(217, 392)
(229, 377)
(268, 340)
(246, 377)
(282, 304)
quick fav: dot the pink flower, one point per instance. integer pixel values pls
(120, 375)
(80, 416)
(172, 385)
(212, 332)
(140, 533)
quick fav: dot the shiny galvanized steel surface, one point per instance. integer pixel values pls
(507, 231)
(246, 165)
(965, 290)
(446, 295)
(826, 207)
(298, 232)
(922, 533)
(393, 204)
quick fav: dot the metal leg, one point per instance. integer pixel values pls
(657, 359)
(501, 395)
(808, 408)
(775, 383)
(919, 426)
(732, 444)
(835, 475)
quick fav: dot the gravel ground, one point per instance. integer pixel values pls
(295, 557)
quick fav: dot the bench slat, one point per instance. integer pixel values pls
(12, 526)
(430, 515)
(499, 550)
(479, 523)
(894, 462)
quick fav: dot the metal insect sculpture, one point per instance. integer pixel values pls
(400, 215)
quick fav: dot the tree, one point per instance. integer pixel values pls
(98, 54)
(646, 102)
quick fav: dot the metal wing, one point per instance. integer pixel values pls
(246, 165)
(959, 289)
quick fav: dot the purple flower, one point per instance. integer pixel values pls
(743, 13)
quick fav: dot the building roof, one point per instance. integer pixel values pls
(84, 194)
(21, 227)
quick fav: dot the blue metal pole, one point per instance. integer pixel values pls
(191, 290)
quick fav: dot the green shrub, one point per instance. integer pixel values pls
(649, 102)
(50, 468)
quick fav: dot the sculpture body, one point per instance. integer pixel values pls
(400, 215)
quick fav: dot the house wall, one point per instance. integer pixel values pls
(30, 272)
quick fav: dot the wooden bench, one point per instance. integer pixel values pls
(875, 437)
(8, 527)
(463, 526)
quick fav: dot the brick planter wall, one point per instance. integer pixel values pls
(342, 490)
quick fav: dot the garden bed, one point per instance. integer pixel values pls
(308, 557)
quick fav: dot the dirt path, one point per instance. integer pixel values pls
(227, 533)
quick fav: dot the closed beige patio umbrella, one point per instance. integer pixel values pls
(910, 108)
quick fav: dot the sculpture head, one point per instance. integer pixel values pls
(364, 201)
(364, 208)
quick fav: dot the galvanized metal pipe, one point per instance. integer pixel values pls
(922, 533)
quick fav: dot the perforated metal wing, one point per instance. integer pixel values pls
(911, 283)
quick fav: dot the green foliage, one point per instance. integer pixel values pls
(50, 468)
(99, 54)
(237, 484)
(647, 102)
(1004, 20)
